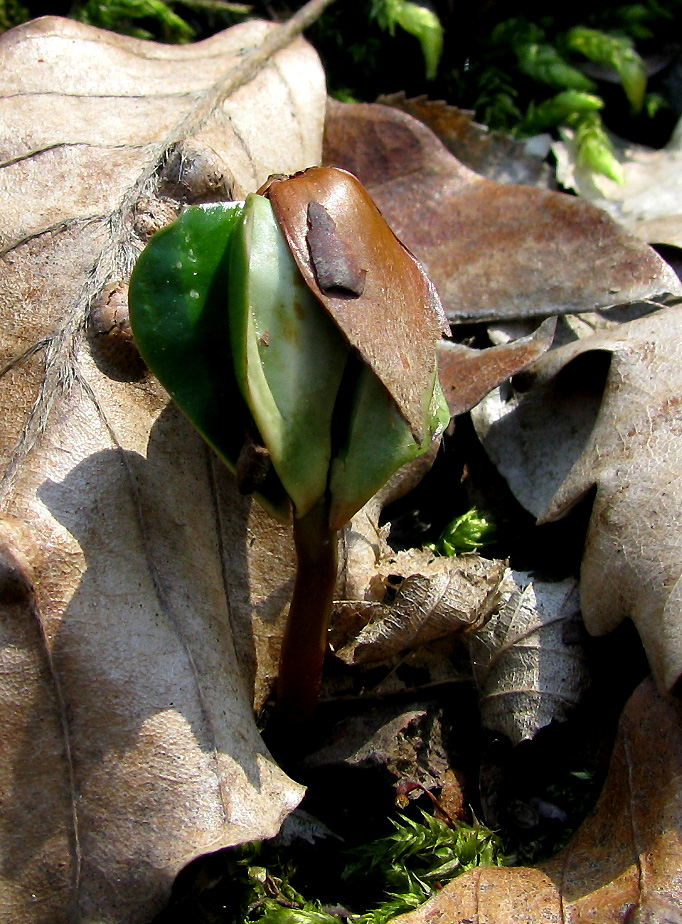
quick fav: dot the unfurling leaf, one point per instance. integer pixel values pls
(466, 533)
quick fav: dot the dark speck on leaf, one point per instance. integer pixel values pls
(336, 269)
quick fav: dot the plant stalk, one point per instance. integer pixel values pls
(305, 637)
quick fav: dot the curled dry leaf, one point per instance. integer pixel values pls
(434, 597)
(468, 375)
(625, 861)
(135, 581)
(492, 250)
(529, 661)
(628, 447)
(492, 154)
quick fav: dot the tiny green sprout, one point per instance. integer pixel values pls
(466, 533)
(298, 336)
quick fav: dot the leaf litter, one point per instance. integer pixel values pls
(122, 431)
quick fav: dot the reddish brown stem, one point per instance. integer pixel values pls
(305, 636)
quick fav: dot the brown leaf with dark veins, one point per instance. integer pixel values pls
(493, 250)
(141, 596)
(623, 864)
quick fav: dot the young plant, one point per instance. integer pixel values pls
(298, 335)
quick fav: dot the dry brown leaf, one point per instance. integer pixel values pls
(625, 442)
(492, 154)
(434, 597)
(467, 375)
(492, 250)
(625, 861)
(631, 563)
(130, 568)
(529, 661)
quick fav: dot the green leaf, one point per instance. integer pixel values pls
(466, 533)
(178, 312)
(378, 443)
(288, 354)
(224, 318)
(617, 52)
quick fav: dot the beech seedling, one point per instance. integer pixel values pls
(298, 336)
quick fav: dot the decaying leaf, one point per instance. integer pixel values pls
(649, 202)
(434, 597)
(529, 662)
(631, 563)
(467, 375)
(492, 154)
(492, 250)
(131, 568)
(625, 861)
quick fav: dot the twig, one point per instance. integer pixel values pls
(275, 41)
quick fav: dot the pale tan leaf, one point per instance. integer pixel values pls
(140, 594)
(625, 861)
(649, 202)
(625, 443)
(631, 563)
(529, 661)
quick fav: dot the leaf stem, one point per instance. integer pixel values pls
(305, 637)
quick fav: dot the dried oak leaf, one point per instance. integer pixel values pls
(625, 442)
(137, 588)
(529, 661)
(493, 250)
(625, 861)
(631, 563)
